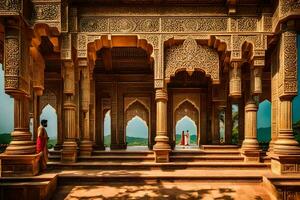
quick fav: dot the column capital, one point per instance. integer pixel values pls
(161, 95)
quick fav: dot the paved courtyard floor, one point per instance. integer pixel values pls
(164, 190)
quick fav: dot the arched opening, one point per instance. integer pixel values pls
(49, 113)
(107, 128)
(186, 120)
(183, 126)
(264, 123)
(137, 124)
(137, 132)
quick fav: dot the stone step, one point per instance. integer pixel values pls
(125, 153)
(153, 165)
(201, 152)
(207, 158)
(220, 147)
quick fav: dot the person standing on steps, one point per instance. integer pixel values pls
(41, 144)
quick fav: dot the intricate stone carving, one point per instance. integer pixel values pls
(10, 5)
(288, 63)
(134, 24)
(191, 56)
(48, 97)
(247, 24)
(92, 24)
(287, 6)
(46, 12)
(151, 39)
(267, 20)
(137, 109)
(12, 59)
(184, 24)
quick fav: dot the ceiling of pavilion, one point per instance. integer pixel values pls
(123, 60)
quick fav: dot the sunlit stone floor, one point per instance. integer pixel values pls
(164, 190)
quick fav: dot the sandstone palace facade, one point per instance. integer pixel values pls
(159, 60)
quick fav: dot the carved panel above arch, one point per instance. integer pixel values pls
(48, 97)
(186, 108)
(190, 57)
(136, 107)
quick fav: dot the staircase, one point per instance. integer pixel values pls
(207, 157)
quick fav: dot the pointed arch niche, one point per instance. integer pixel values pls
(186, 110)
(137, 111)
(49, 113)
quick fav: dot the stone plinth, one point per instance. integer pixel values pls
(69, 152)
(162, 155)
(285, 164)
(86, 148)
(19, 165)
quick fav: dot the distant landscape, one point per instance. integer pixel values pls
(131, 141)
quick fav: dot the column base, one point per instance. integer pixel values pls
(86, 148)
(99, 147)
(162, 155)
(285, 164)
(251, 155)
(69, 152)
(57, 147)
(19, 165)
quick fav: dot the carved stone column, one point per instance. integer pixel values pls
(286, 153)
(20, 158)
(162, 146)
(250, 147)
(69, 152)
(86, 143)
(235, 80)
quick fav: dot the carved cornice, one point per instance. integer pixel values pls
(166, 24)
(190, 56)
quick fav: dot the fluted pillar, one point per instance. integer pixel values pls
(69, 152)
(162, 146)
(250, 147)
(86, 143)
(286, 143)
(21, 143)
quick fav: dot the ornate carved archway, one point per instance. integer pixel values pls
(191, 57)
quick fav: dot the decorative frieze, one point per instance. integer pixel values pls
(10, 5)
(191, 56)
(134, 24)
(151, 39)
(93, 24)
(46, 12)
(287, 6)
(196, 24)
(247, 24)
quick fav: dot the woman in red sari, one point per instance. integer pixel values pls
(41, 144)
